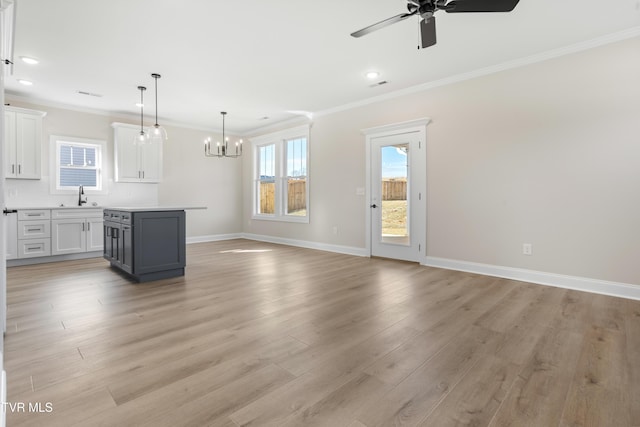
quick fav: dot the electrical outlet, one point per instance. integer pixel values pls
(527, 249)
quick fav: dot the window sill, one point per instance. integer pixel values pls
(287, 218)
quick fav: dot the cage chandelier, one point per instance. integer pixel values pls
(222, 149)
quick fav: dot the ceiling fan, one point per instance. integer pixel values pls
(426, 9)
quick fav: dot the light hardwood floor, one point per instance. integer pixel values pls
(260, 334)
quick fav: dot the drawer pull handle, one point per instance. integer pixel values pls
(34, 229)
(33, 248)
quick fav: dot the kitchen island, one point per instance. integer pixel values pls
(146, 243)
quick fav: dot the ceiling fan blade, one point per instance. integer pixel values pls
(382, 24)
(460, 6)
(428, 32)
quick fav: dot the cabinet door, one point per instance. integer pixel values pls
(159, 241)
(126, 155)
(28, 145)
(125, 248)
(68, 236)
(95, 234)
(107, 248)
(10, 166)
(151, 161)
(12, 235)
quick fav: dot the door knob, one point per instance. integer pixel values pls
(374, 206)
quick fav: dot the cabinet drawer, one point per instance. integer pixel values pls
(76, 213)
(125, 217)
(29, 214)
(34, 229)
(111, 216)
(34, 248)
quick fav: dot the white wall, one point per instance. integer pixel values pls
(192, 179)
(547, 154)
(189, 178)
(22, 193)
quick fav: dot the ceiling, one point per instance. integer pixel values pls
(270, 61)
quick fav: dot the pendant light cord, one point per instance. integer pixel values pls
(156, 76)
(156, 79)
(142, 89)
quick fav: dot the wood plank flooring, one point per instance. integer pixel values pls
(258, 334)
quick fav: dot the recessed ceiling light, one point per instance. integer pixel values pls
(29, 60)
(25, 82)
(371, 75)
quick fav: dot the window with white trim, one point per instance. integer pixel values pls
(281, 180)
(76, 162)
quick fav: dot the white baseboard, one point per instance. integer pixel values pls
(213, 238)
(347, 250)
(53, 258)
(615, 289)
(585, 284)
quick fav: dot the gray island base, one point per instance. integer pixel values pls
(146, 244)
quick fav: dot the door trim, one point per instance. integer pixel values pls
(412, 126)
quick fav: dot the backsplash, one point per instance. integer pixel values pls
(32, 193)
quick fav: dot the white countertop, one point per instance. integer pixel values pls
(21, 208)
(152, 208)
(119, 208)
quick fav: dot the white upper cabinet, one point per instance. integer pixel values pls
(23, 142)
(135, 162)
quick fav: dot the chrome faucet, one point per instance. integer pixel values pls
(80, 194)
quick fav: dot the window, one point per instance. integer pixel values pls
(267, 179)
(281, 190)
(76, 162)
(296, 177)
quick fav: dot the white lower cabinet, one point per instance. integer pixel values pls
(68, 236)
(34, 233)
(12, 235)
(76, 230)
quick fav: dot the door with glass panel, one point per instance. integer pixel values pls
(398, 218)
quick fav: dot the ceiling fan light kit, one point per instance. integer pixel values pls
(426, 9)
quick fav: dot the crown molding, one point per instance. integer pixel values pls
(88, 110)
(516, 63)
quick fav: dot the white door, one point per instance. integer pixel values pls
(126, 154)
(151, 161)
(398, 199)
(10, 166)
(28, 146)
(95, 234)
(68, 236)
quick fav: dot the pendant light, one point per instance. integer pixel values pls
(143, 136)
(222, 150)
(157, 133)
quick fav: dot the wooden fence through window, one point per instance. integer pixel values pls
(392, 189)
(297, 196)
